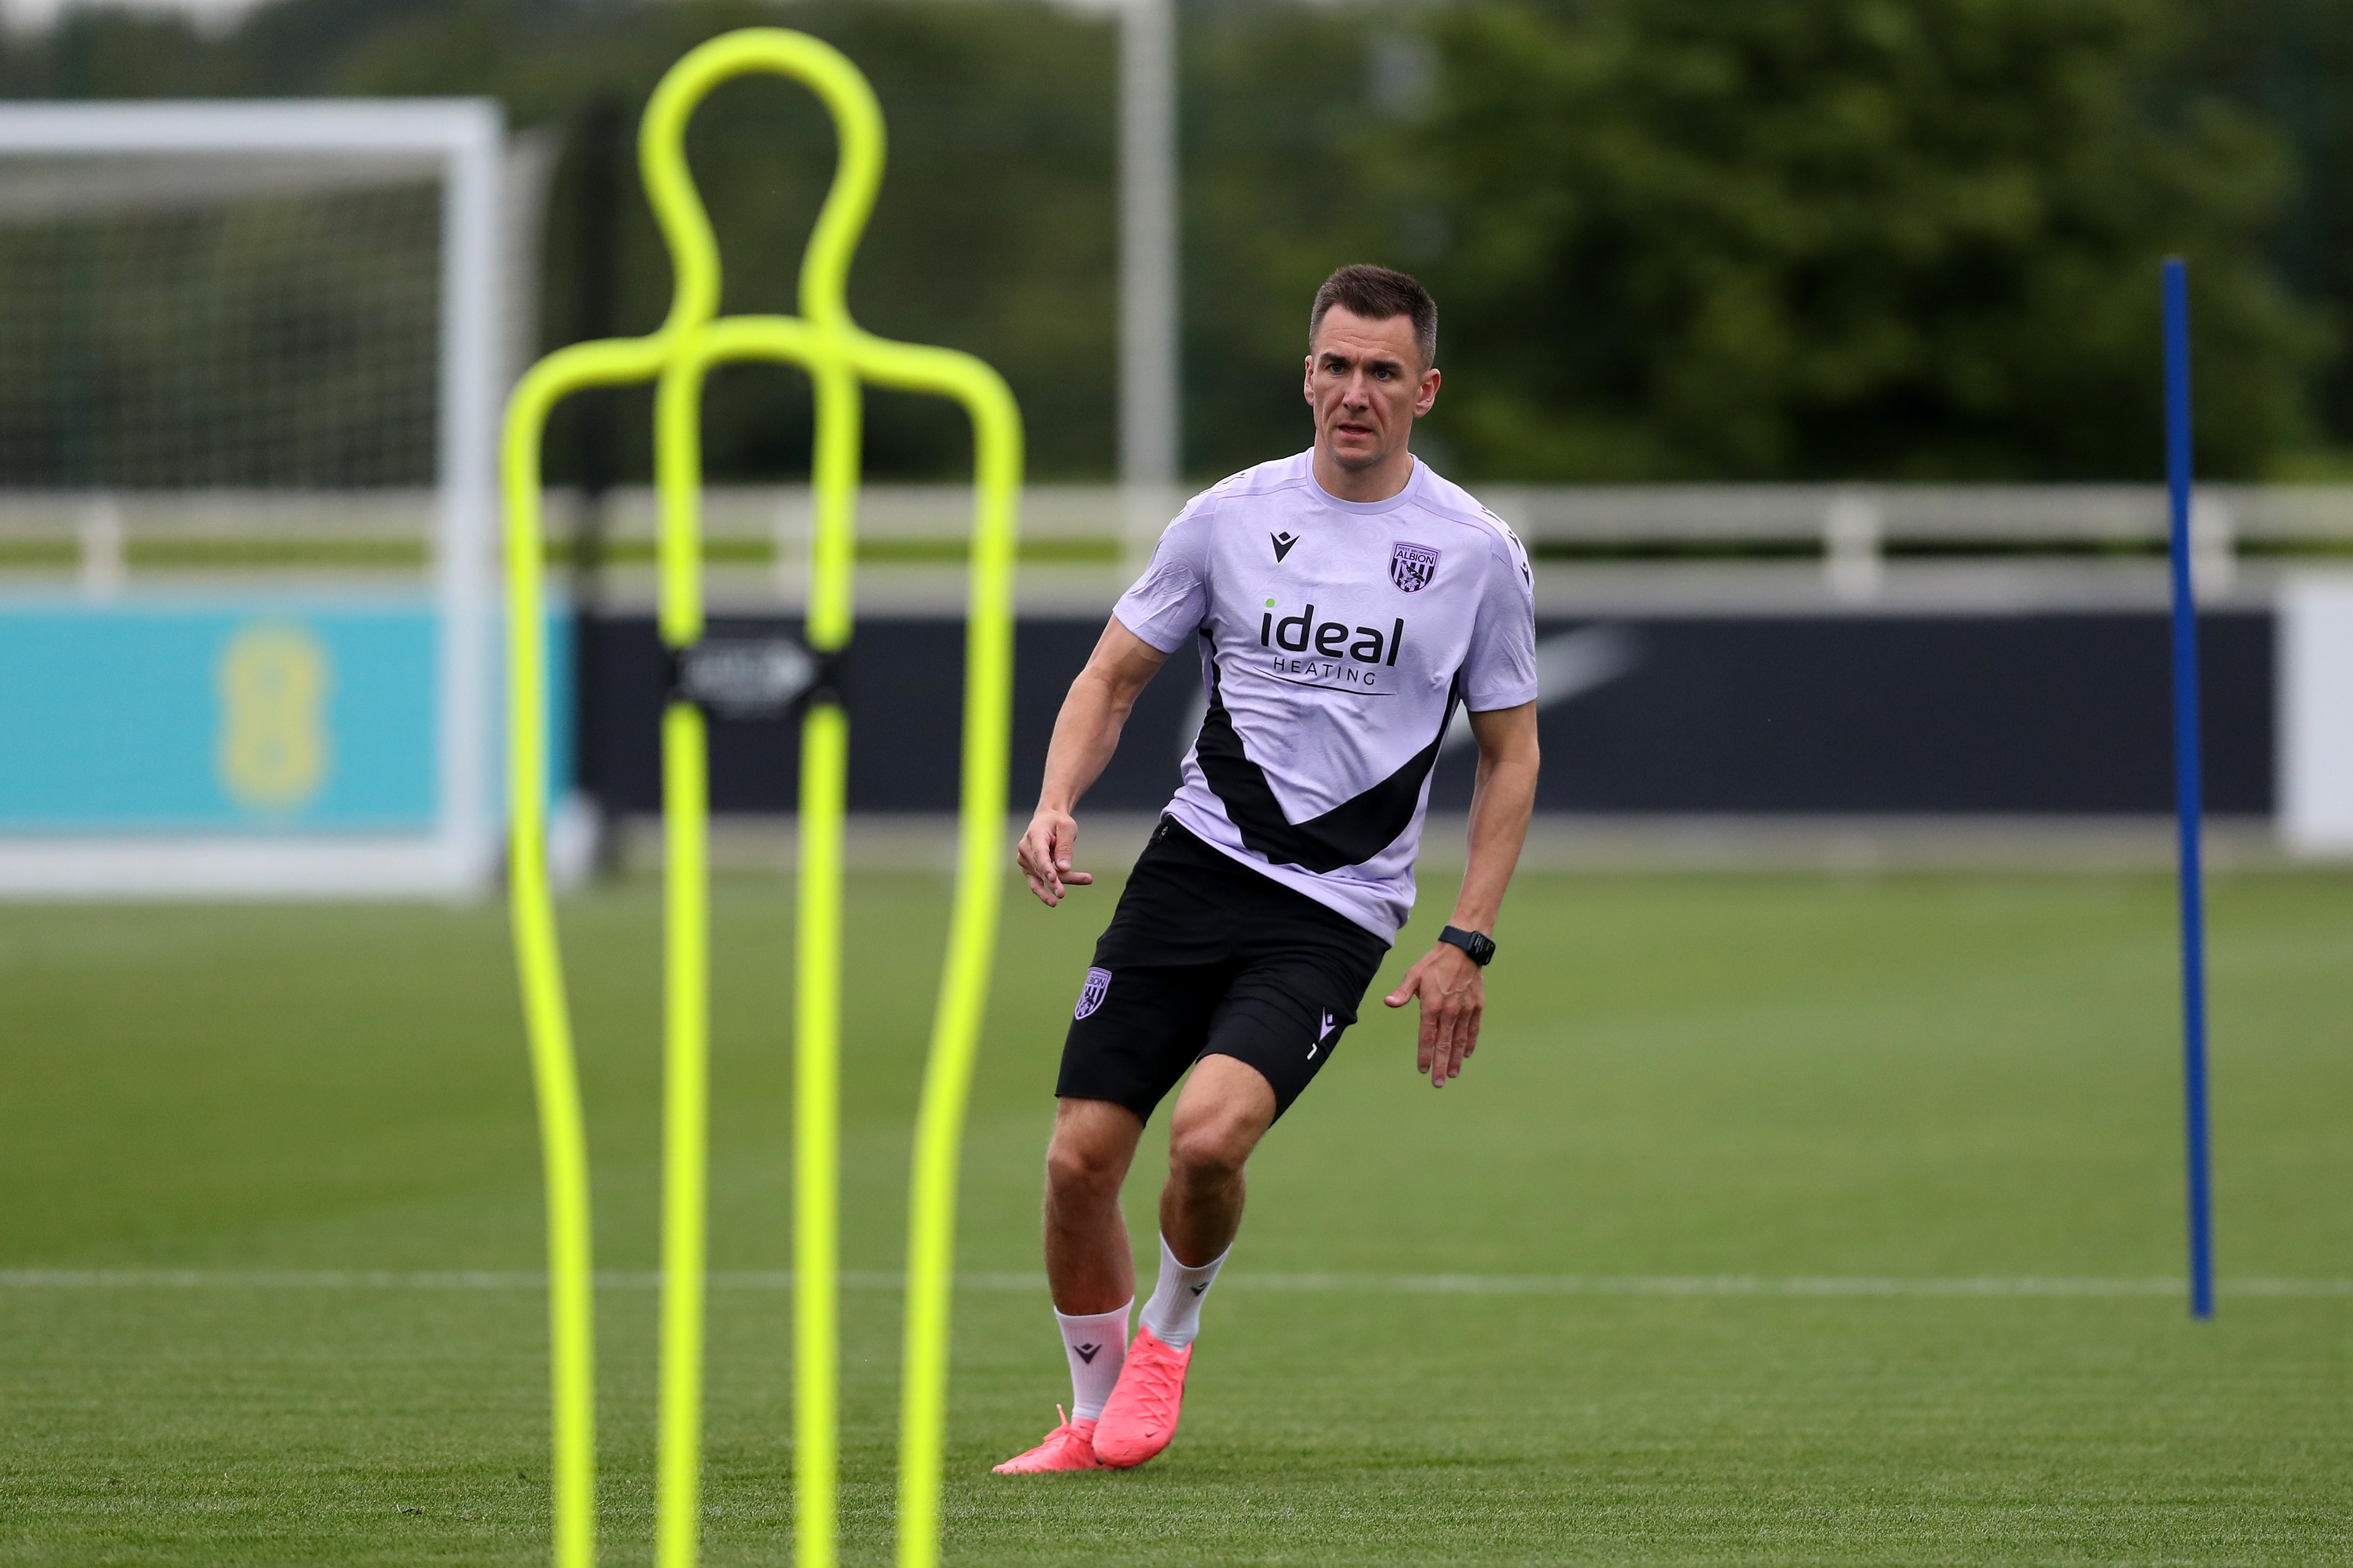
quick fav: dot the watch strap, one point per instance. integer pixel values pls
(1477, 945)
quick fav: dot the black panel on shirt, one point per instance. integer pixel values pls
(1350, 833)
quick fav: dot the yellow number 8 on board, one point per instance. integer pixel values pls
(273, 682)
(841, 358)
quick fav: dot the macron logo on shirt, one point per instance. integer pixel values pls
(1283, 543)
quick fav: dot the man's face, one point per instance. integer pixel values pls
(1366, 383)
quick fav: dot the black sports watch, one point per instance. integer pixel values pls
(1478, 945)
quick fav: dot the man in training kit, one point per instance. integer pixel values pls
(1346, 600)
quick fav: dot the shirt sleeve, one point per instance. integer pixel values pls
(1500, 669)
(1170, 601)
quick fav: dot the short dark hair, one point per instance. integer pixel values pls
(1378, 294)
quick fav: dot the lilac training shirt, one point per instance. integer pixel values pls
(1336, 638)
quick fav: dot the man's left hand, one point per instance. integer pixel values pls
(1454, 994)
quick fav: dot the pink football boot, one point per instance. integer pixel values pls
(1141, 1416)
(1069, 1446)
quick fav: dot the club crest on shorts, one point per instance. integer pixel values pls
(1411, 566)
(1092, 994)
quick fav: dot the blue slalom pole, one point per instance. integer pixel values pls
(2187, 790)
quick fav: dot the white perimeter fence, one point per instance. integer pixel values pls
(100, 539)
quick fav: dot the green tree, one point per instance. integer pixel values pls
(1273, 99)
(2291, 63)
(1903, 238)
(1673, 238)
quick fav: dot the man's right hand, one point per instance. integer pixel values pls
(1044, 856)
(1085, 733)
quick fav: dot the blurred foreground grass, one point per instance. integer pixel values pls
(1894, 1079)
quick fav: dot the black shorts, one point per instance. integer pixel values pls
(1207, 957)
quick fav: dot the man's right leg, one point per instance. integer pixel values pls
(1089, 1269)
(1141, 1018)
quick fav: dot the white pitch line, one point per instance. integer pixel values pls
(1761, 1285)
(1395, 1284)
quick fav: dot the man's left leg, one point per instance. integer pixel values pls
(1224, 1108)
(1278, 1021)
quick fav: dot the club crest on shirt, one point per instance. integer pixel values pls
(1092, 994)
(1411, 566)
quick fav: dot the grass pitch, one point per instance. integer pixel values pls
(1866, 1083)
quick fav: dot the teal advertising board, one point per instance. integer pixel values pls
(259, 716)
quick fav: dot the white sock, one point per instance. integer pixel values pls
(1097, 1346)
(1174, 1313)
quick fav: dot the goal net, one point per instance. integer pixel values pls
(261, 323)
(250, 374)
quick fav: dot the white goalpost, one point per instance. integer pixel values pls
(251, 359)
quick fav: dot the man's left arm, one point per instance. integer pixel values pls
(1452, 988)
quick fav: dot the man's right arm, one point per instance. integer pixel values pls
(1086, 733)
